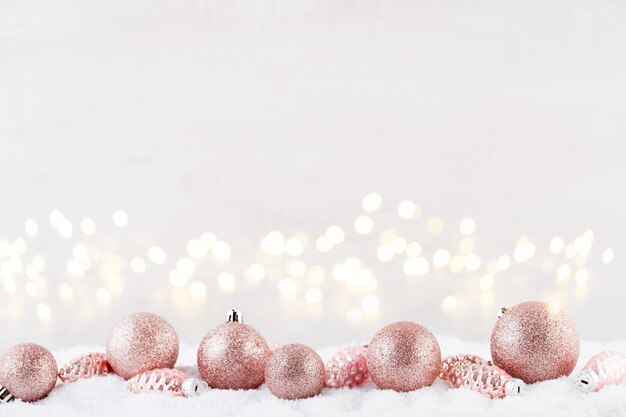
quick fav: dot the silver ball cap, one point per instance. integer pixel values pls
(514, 387)
(235, 316)
(587, 380)
(193, 387)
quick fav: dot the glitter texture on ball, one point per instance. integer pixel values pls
(295, 371)
(141, 342)
(535, 343)
(233, 356)
(403, 356)
(28, 371)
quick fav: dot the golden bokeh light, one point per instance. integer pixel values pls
(372, 202)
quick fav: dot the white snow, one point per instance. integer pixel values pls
(108, 396)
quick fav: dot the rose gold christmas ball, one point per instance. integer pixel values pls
(295, 371)
(403, 356)
(141, 342)
(233, 356)
(534, 342)
(28, 371)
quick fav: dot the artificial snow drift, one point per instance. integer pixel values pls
(108, 396)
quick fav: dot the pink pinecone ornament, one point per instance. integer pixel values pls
(451, 364)
(347, 368)
(167, 381)
(479, 375)
(86, 366)
(606, 368)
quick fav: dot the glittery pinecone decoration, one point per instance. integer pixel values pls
(479, 375)
(85, 366)
(168, 381)
(451, 364)
(606, 368)
(347, 368)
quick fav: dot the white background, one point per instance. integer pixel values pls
(239, 118)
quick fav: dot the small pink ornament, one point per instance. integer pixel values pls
(535, 343)
(403, 356)
(451, 365)
(294, 372)
(274, 346)
(86, 366)
(479, 375)
(167, 381)
(606, 368)
(347, 368)
(233, 355)
(141, 342)
(27, 372)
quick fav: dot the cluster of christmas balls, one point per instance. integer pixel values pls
(529, 343)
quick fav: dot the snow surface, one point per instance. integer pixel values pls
(108, 396)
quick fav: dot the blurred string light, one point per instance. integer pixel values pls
(372, 202)
(282, 262)
(120, 218)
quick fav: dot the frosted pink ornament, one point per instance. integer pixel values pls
(294, 372)
(86, 366)
(479, 375)
(141, 342)
(534, 342)
(403, 356)
(27, 371)
(167, 381)
(606, 368)
(233, 355)
(347, 368)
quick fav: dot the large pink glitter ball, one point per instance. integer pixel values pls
(28, 371)
(534, 342)
(141, 342)
(295, 371)
(403, 356)
(233, 356)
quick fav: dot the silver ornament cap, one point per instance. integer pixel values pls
(234, 316)
(587, 380)
(193, 387)
(514, 387)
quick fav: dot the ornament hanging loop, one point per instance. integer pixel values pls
(234, 316)
(502, 311)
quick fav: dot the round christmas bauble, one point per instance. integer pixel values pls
(295, 371)
(403, 356)
(534, 342)
(28, 371)
(233, 356)
(141, 342)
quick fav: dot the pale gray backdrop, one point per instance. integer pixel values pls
(241, 118)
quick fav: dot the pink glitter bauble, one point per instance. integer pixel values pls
(295, 371)
(534, 343)
(403, 356)
(233, 356)
(28, 371)
(141, 342)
